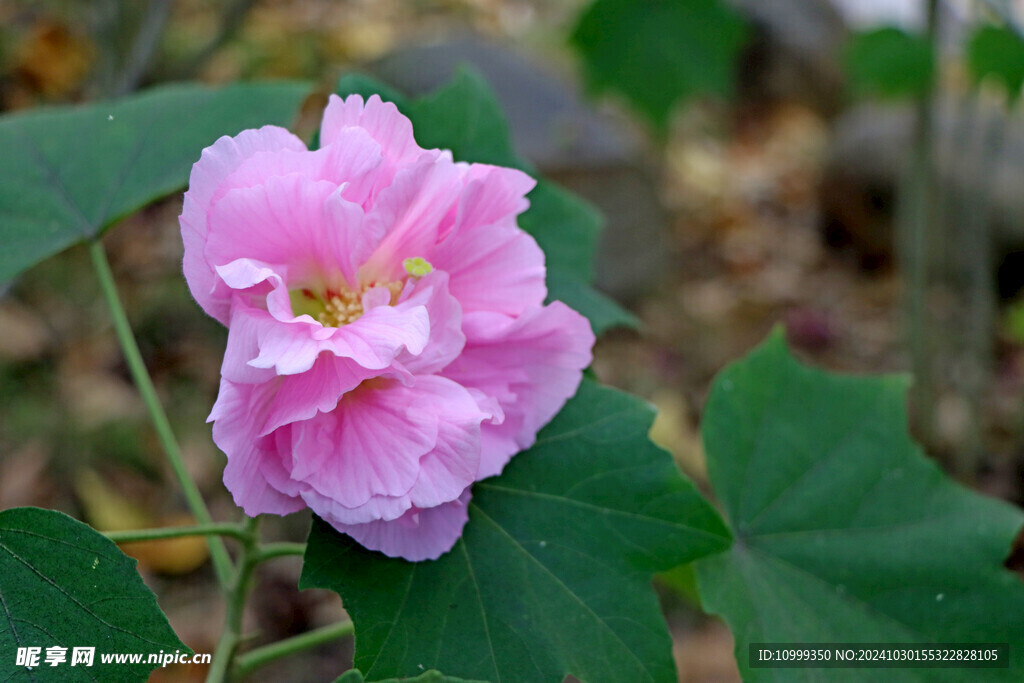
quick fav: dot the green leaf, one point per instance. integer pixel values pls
(997, 52)
(552, 573)
(844, 531)
(660, 52)
(464, 116)
(889, 62)
(70, 172)
(63, 584)
(432, 676)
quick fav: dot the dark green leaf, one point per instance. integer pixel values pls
(997, 52)
(603, 313)
(844, 531)
(889, 62)
(660, 52)
(464, 116)
(432, 676)
(552, 574)
(64, 585)
(70, 172)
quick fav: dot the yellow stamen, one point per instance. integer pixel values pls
(346, 306)
(417, 266)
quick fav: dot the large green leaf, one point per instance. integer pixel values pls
(64, 585)
(465, 117)
(552, 574)
(889, 62)
(70, 172)
(997, 52)
(844, 531)
(660, 52)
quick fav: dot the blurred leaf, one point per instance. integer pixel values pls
(844, 531)
(660, 52)
(63, 584)
(70, 172)
(464, 116)
(552, 573)
(889, 62)
(997, 52)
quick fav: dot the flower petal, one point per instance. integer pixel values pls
(292, 221)
(446, 337)
(234, 432)
(493, 268)
(414, 211)
(417, 535)
(531, 364)
(217, 162)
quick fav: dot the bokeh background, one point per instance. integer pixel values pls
(774, 189)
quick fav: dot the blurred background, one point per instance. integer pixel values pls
(852, 169)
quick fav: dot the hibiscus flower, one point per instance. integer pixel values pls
(388, 342)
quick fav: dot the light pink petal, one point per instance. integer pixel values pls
(234, 433)
(446, 337)
(217, 162)
(417, 535)
(381, 120)
(493, 194)
(493, 268)
(413, 210)
(292, 221)
(351, 160)
(531, 364)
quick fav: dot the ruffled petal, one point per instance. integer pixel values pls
(352, 160)
(531, 364)
(414, 211)
(387, 448)
(291, 221)
(446, 337)
(217, 162)
(382, 120)
(417, 535)
(234, 432)
(493, 268)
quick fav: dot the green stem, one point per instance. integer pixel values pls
(271, 550)
(133, 535)
(219, 554)
(251, 661)
(231, 634)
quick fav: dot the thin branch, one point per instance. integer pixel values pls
(137, 367)
(261, 656)
(134, 535)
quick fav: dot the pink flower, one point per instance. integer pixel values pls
(388, 344)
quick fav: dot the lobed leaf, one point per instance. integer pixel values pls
(552, 574)
(62, 584)
(844, 531)
(71, 172)
(660, 52)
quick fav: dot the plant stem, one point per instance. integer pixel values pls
(251, 661)
(916, 219)
(231, 634)
(133, 535)
(218, 553)
(271, 550)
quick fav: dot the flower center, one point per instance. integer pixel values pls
(335, 309)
